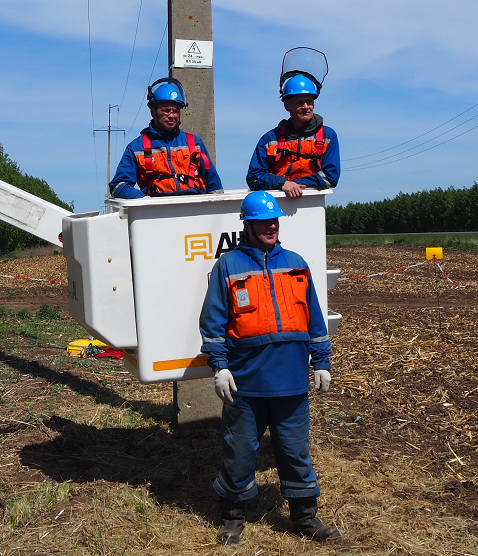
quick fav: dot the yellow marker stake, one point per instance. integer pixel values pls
(434, 253)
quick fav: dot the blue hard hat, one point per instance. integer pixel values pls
(167, 89)
(260, 205)
(299, 85)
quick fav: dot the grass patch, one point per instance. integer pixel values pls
(40, 331)
(139, 500)
(4, 312)
(38, 498)
(47, 312)
(24, 314)
(41, 327)
(466, 241)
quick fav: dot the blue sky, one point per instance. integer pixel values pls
(397, 69)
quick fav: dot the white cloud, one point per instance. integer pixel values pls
(110, 21)
(363, 39)
(397, 68)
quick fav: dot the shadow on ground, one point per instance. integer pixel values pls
(178, 468)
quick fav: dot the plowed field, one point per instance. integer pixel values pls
(395, 441)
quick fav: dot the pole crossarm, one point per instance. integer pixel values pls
(108, 167)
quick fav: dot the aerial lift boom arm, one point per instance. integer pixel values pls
(30, 213)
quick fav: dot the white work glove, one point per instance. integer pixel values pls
(322, 381)
(223, 383)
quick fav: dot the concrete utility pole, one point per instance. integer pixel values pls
(196, 403)
(193, 20)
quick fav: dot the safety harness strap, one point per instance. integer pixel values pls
(280, 143)
(148, 155)
(319, 144)
(319, 147)
(195, 156)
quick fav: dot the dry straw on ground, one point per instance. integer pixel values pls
(394, 441)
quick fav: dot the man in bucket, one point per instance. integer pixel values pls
(300, 152)
(165, 160)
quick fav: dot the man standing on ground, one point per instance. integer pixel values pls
(165, 160)
(261, 323)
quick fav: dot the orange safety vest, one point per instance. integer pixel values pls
(252, 310)
(155, 173)
(285, 159)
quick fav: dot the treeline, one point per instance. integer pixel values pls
(437, 210)
(12, 238)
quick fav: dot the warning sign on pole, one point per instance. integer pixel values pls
(192, 54)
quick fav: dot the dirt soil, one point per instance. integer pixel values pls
(401, 415)
(406, 362)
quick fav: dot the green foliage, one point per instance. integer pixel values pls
(47, 312)
(12, 238)
(464, 241)
(4, 312)
(437, 210)
(24, 314)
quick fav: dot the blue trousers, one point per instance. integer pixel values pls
(243, 424)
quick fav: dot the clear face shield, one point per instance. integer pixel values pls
(306, 61)
(154, 87)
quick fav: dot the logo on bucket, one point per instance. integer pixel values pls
(198, 245)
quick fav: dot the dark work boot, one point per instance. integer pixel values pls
(302, 515)
(232, 517)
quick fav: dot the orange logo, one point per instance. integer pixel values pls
(198, 245)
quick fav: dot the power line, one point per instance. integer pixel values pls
(409, 156)
(149, 80)
(91, 66)
(410, 140)
(411, 148)
(132, 53)
(92, 102)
